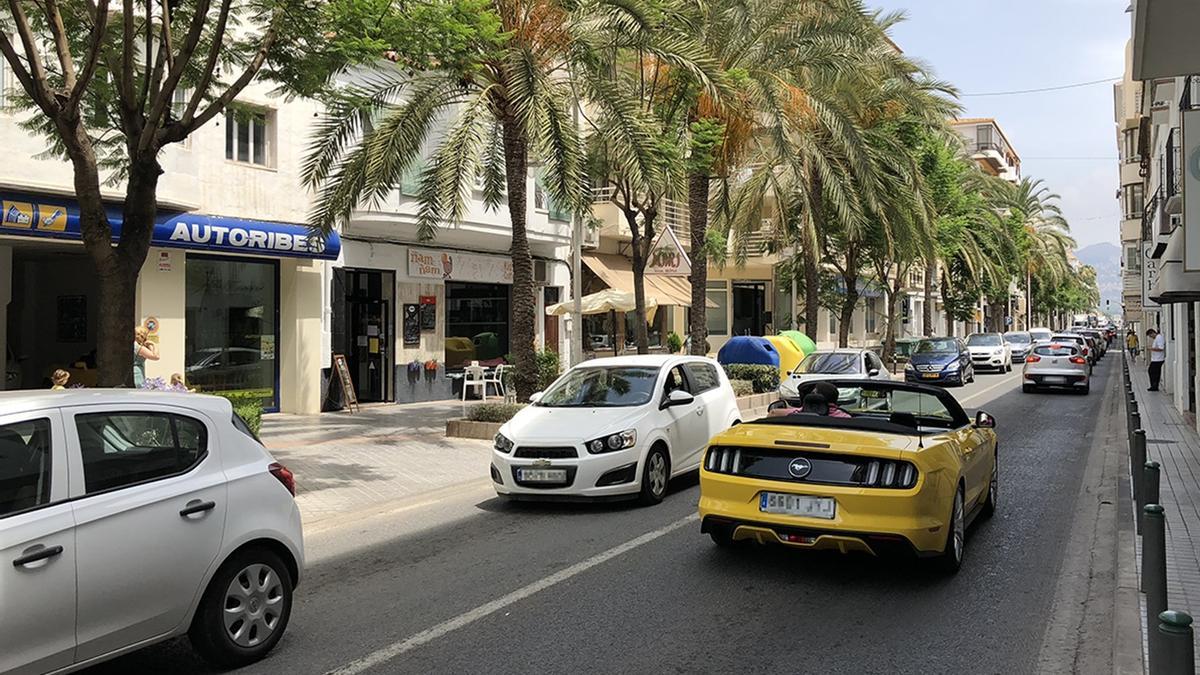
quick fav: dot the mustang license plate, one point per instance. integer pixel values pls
(797, 505)
(542, 475)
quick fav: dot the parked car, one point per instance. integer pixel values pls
(1085, 345)
(991, 351)
(1019, 343)
(130, 517)
(940, 360)
(1099, 341)
(835, 364)
(614, 428)
(906, 471)
(1040, 334)
(1056, 364)
(229, 368)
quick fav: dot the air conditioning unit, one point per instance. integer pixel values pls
(541, 272)
(591, 237)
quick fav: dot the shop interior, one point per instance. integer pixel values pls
(476, 324)
(52, 316)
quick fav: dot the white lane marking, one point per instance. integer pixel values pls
(1006, 380)
(385, 654)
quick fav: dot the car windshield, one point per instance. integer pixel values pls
(869, 407)
(832, 363)
(936, 347)
(609, 386)
(1056, 349)
(985, 340)
(1017, 338)
(1040, 334)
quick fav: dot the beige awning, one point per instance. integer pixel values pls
(616, 272)
(602, 302)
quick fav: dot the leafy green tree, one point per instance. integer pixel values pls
(110, 86)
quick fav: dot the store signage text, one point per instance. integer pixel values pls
(667, 256)
(54, 218)
(455, 266)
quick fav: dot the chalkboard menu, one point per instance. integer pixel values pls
(428, 313)
(343, 373)
(412, 325)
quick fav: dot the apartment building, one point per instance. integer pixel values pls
(1137, 265)
(236, 293)
(1168, 134)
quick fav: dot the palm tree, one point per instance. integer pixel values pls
(1046, 232)
(514, 102)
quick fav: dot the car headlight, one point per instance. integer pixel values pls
(502, 444)
(998, 351)
(909, 366)
(952, 366)
(613, 442)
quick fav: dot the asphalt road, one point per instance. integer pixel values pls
(461, 582)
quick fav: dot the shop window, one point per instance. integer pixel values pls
(231, 327)
(249, 136)
(656, 330)
(718, 317)
(477, 326)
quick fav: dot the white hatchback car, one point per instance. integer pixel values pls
(129, 517)
(614, 428)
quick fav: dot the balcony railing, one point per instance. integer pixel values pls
(1190, 98)
(1172, 169)
(1148, 216)
(672, 213)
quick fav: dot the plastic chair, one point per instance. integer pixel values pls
(496, 377)
(474, 376)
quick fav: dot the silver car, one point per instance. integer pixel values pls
(835, 364)
(1056, 364)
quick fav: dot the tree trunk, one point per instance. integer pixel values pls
(642, 241)
(812, 292)
(846, 314)
(698, 186)
(524, 300)
(893, 309)
(117, 267)
(945, 295)
(927, 310)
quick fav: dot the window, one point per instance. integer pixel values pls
(872, 316)
(1129, 145)
(704, 377)
(539, 197)
(833, 323)
(477, 323)
(717, 317)
(120, 449)
(874, 362)
(1132, 199)
(410, 180)
(248, 136)
(603, 387)
(675, 381)
(24, 466)
(1133, 259)
(231, 326)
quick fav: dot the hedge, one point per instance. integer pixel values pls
(493, 412)
(763, 378)
(249, 407)
(742, 387)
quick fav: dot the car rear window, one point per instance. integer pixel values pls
(1055, 350)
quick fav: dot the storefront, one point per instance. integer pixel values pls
(672, 294)
(445, 308)
(234, 304)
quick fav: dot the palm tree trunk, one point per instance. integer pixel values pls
(812, 292)
(946, 294)
(850, 281)
(524, 301)
(698, 186)
(927, 309)
(641, 251)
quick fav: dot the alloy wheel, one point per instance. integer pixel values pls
(959, 527)
(253, 605)
(658, 473)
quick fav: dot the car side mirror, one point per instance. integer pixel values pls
(535, 397)
(984, 420)
(677, 397)
(874, 372)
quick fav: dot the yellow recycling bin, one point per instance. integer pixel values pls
(790, 355)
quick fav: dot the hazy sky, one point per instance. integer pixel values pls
(984, 46)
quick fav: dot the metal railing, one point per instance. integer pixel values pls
(1172, 171)
(672, 213)
(1148, 215)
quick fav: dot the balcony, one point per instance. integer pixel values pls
(672, 213)
(1172, 174)
(986, 144)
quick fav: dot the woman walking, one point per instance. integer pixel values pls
(143, 350)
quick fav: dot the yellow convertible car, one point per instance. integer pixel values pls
(888, 467)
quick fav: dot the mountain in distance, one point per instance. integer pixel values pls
(1105, 258)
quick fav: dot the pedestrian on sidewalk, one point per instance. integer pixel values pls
(1131, 343)
(1158, 355)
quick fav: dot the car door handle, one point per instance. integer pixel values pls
(40, 554)
(196, 506)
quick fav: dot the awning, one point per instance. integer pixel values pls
(45, 217)
(1164, 40)
(616, 272)
(1172, 284)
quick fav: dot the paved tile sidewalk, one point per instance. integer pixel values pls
(1174, 444)
(346, 462)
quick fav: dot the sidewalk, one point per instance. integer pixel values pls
(385, 452)
(1174, 444)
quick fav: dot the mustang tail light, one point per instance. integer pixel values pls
(888, 474)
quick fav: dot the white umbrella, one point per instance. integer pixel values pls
(608, 300)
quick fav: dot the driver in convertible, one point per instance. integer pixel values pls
(820, 400)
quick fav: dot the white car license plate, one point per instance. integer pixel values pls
(797, 505)
(542, 475)
(1054, 379)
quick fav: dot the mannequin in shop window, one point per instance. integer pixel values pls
(143, 350)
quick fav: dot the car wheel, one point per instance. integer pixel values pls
(655, 476)
(1027, 388)
(1087, 388)
(244, 611)
(950, 559)
(991, 502)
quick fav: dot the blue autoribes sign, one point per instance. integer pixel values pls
(58, 218)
